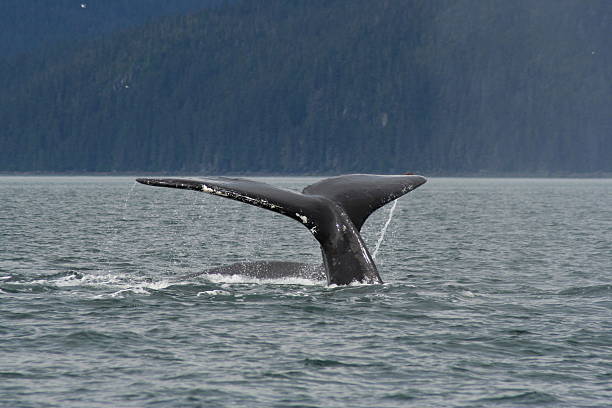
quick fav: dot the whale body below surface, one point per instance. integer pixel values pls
(333, 209)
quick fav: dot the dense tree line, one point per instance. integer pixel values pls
(31, 24)
(322, 86)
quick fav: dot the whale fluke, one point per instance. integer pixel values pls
(333, 209)
(362, 194)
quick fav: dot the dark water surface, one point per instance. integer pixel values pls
(498, 293)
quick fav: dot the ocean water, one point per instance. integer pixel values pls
(497, 293)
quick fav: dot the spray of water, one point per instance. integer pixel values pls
(383, 231)
(127, 200)
(114, 230)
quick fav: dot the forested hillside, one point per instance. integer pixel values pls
(314, 86)
(30, 24)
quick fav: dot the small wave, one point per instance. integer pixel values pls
(528, 397)
(400, 396)
(283, 374)
(321, 363)
(595, 290)
(81, 336)
(12, 375)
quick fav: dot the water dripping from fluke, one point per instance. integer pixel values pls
(383, 231)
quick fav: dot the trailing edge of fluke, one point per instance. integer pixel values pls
(333, 209)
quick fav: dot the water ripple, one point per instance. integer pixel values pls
(497, 294)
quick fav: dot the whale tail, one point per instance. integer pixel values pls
(333, 209)
(362, 194)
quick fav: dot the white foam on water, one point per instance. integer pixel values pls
(354, 284)
(299, 294)
(214, 293)
(78, 280)
(87, 280)
(137, 290)
(240, 279)
(124, 284)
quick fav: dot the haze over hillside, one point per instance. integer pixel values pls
(324, 86)
(31, 24)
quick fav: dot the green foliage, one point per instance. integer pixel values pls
(32, 24)
(303, 86)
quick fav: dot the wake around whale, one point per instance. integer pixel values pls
(333, 209)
